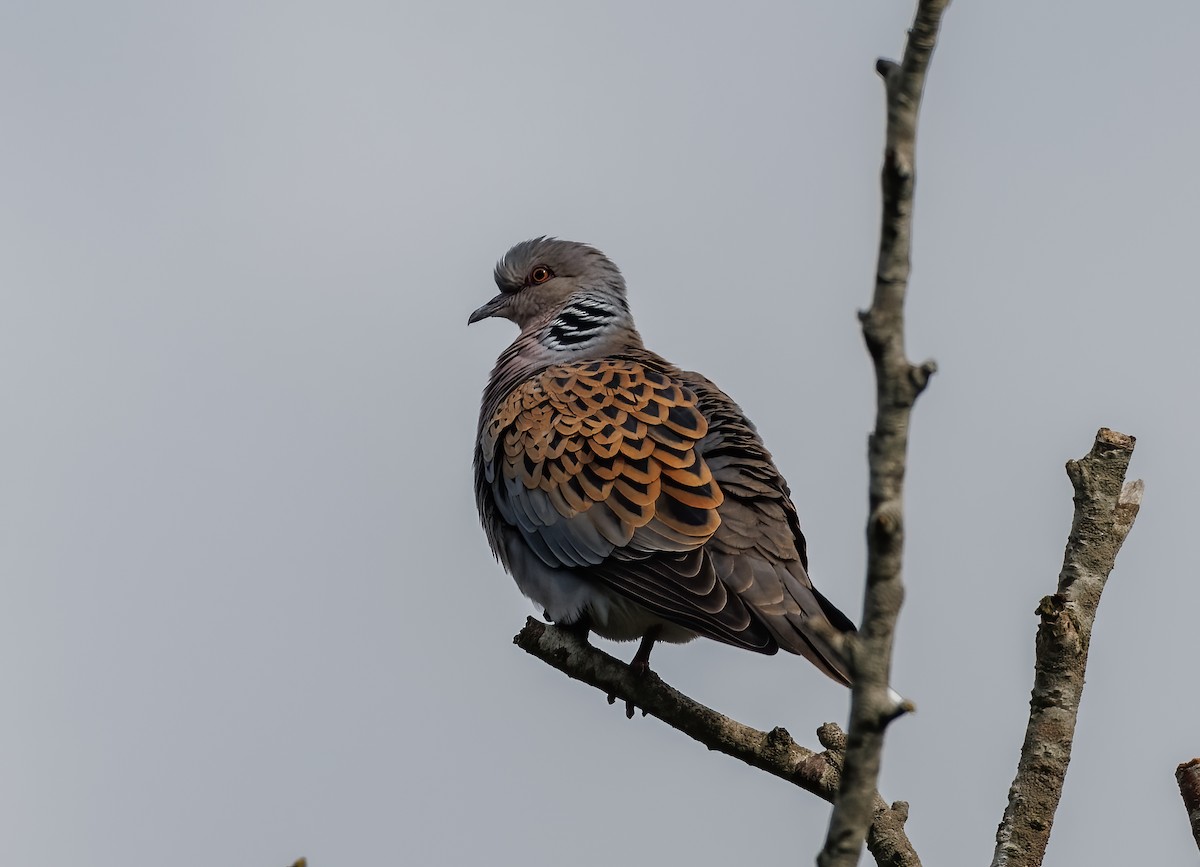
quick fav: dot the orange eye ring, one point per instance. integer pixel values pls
(540, 274)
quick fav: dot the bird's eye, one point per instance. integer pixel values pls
(540, 274)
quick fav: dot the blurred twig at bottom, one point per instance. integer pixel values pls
(1188, 777)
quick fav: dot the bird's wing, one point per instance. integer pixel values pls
(758, 551)
(595, 463)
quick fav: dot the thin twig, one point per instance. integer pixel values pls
(1105, 509)
(898, 383)
(1188, 777)
(774, 752)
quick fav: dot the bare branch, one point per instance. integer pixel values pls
(1105, 509)
(1188, 777)
(774, 752)
(898, 383)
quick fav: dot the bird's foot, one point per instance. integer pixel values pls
(630, 707)
(641, 660)
(640, 666)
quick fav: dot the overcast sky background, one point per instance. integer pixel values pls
(247, 611)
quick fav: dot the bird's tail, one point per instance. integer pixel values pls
(842, 625)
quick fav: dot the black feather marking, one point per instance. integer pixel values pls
(684, 417)
(638, 465)
(573, 320)
(605, 464)
(689, 515)
(624, 503)
(568, 338)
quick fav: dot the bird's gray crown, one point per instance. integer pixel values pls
(581, 263)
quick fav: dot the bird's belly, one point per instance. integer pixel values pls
(620, 619)
(566, 597)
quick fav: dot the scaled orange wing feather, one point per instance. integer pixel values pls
(611, 442)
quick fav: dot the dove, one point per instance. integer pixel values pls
(626, 496)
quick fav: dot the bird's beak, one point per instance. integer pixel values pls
(492, 308)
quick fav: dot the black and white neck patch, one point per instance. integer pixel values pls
(579, 323)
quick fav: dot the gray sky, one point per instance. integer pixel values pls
(248, 613)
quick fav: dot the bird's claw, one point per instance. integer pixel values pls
(629, 706)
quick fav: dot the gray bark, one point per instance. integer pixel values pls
(1105, 509)
(898, 383)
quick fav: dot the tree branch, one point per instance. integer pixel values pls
(774, 752)
(1105, 509)
(898, 383)
(1188, 777)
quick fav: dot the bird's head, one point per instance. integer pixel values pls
(569, 290)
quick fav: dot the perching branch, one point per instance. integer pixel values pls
(1105, 509)
(774, 752)
(898, 383)
(1188, 777)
